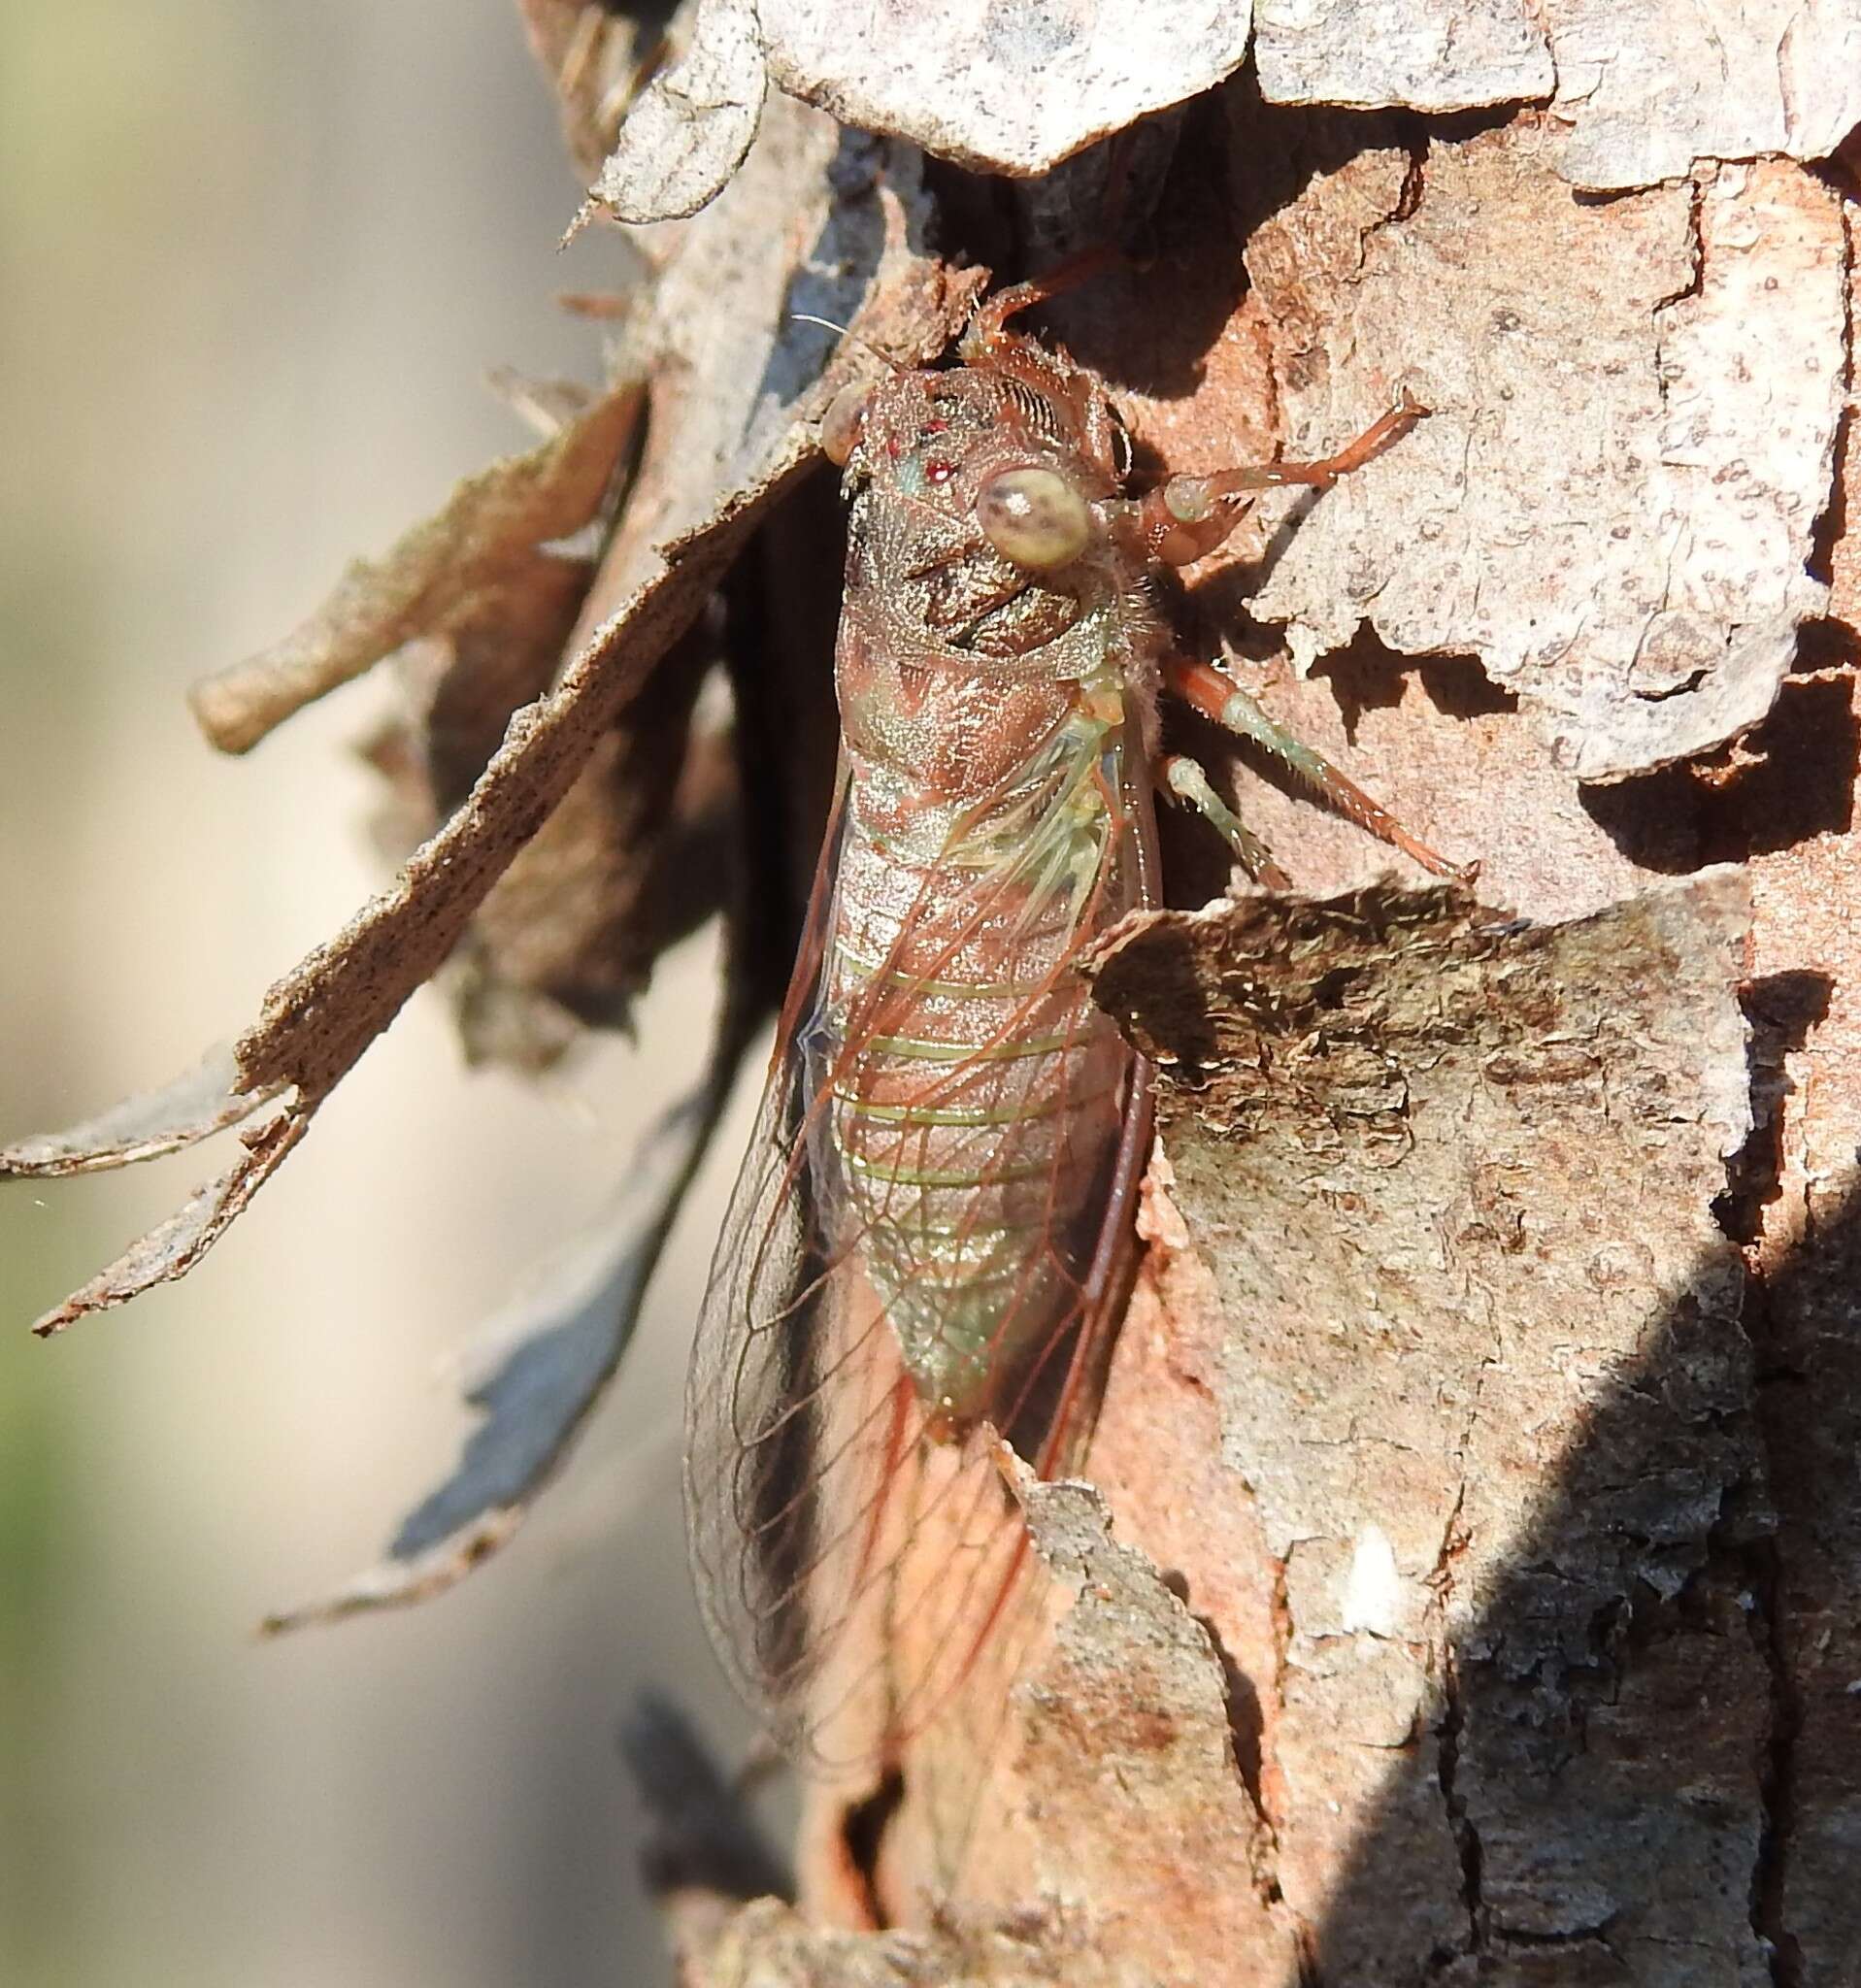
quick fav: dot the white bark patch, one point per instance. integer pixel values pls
(1354, 1583)
(1373, 1592)
(1428, 54)
(1651, 86)
(1612, 503)
(999, 86)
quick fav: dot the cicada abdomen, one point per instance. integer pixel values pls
(930, 1240)
(973, 1092)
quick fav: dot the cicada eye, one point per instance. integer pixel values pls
(842, 424)
(1034, 516)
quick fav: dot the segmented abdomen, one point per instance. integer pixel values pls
(976, 1089)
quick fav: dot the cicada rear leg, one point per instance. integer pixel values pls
(1205, 689)
(1184, 779)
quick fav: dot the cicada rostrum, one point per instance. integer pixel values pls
(931, 1242)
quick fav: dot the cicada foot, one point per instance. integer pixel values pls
(987, 331)
(1014, 1470)
(1184, 780)
(1205, 689)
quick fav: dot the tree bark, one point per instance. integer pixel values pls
(1465, 1588)
(1466, 1594)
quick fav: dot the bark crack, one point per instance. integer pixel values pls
(1245, 1741)
(1453, 1542)
(1407, 200)
(1831, 522)
(1696, 250)
(1447, 1737)
(1778, 1778)
(1305, 1934)
(1781, 1010)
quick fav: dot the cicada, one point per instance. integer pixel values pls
(931, 1243)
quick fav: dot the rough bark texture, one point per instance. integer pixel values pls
(1471, 1336)
(1467, 1593)
(1467, 1587)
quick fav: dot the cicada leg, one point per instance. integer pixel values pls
(1184, 779)
(988, 330)
(1187, 518)
(988, 346)
(1205, 689)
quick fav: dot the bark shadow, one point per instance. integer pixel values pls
(1787, 782)
(1644, 1762)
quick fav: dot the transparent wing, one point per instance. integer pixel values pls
(859, 1560)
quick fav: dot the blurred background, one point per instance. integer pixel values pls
(254, 262)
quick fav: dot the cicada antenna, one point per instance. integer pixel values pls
(846, 331)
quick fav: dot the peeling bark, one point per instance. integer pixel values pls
(1610, 508)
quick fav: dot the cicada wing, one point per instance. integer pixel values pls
(752, 1394)
(970, 1606)
(848, 1562)
(863, 1570)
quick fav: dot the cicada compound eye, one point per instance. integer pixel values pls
(843, 425)
(1034, 516)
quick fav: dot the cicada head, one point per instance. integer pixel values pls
(979, 522)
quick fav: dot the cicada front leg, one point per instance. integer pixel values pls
(1187, 518)
(1183, 521)
(987, 330)
(1205, 689)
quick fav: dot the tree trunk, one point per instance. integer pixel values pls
(1465, 1590)
(1468, 1592)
